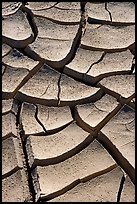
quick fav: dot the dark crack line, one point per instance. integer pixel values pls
(66, 9)
(82, 6)
(12, 171)
(30, 18)
(28, 77)
(45, 91)
(108, 12)
(130, 122)
(133, 66)
(91, 20)
(57, 21)
(33, 55)
(75, 115)
(59, 90)
(108, 50)
(105, 111)
(44, 9)
(18, 44)
(7, 53)
(83, 17)
(122, 100)
(37, 119)
(75, 183)
(65, 155)
(51, 131)
(96, 109)
(117, 156)
(101, 58)
(120, 188)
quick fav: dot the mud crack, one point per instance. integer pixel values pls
(108, 12)
(117, 156)
(17, 107)
(101, 58)
(83, 17)
(121, 187)
(37, 119)
(59, 90)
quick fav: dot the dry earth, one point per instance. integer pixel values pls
(68, 101)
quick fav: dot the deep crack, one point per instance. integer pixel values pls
(59, 90)
(120, 188)
(37, 119)
(108, 11)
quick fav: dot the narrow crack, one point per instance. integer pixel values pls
(99, 60)
(131, 142)
(27, 77)
(10, 50)
(66, 9)
(57, 21)
(121, 188)
(109, 50)
(41, 9)
(37, 119)
(12, 171)
(91, 20)
(59, 90)
(45, 91)
(108, 12)
(133, 66)
(122, 100)
(51, 131)
(82, 6)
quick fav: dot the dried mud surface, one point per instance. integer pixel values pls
(68, 101)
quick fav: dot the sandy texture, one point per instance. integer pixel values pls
(68, 101)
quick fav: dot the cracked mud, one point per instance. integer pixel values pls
(68, 101)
